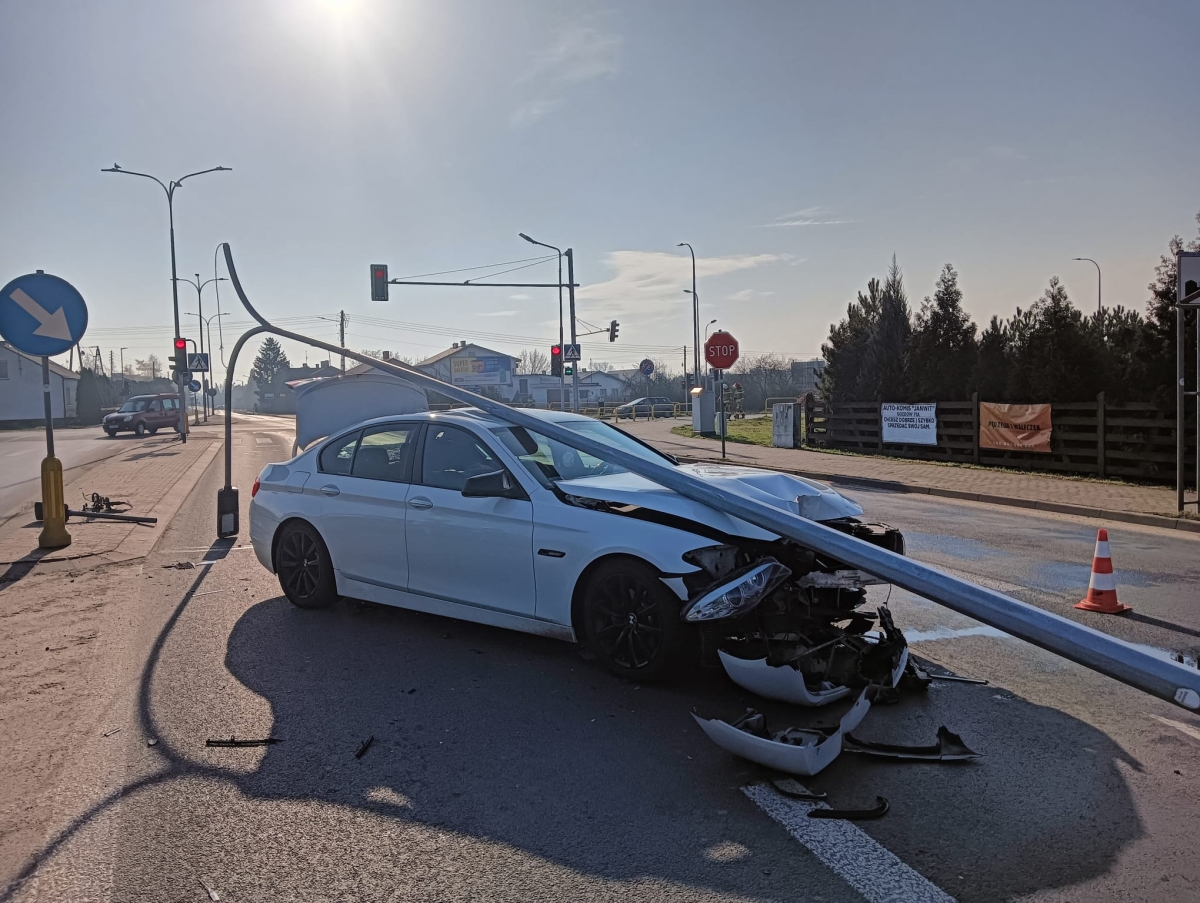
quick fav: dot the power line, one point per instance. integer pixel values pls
(486, 266)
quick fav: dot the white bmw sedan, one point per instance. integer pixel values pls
(463, 515)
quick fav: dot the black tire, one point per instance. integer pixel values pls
(112, 434)
(140, 429)
(632, 622)
(304, 567)
(153, 430)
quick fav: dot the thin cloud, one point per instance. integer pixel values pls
(499, 313)
(648, 285)
(578, 53)
(747, 294)
(519, 297)
(809, 216)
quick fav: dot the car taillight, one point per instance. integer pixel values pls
(254, 488)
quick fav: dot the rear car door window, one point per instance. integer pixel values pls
(385, 453)
(338, 455)
(452, 456)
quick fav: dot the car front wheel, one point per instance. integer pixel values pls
(112, 434)
(632, 622)
(304, 567)
(140, 430)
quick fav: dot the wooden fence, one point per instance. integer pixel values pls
(1134, 440)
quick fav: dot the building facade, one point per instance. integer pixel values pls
(21, 399)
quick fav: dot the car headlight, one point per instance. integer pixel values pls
(738, 594)
(127, 417)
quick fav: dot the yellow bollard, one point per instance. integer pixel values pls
(54, 533)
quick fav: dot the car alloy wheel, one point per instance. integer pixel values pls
(140, 429)
(305, 568)
(633, 621)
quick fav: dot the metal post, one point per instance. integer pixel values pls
(200, 316)
(1101, 437)
(183, 424)
(721, 383)
(1180, 419)
(574, 364)
(342, 335)
(54, 533)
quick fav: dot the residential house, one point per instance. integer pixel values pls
(21, 397)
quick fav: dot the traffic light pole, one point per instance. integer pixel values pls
(571, 295)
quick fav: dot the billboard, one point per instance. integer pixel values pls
(481, 371)
(1014, 427)
(912, 424)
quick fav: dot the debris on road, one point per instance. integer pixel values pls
(879, 810)
(962, 680)
(366, 744)
(115, 730)
(948, 748)
(792, 750)
(152, 742)
(99, 503)
(787, 786)
(213, 896)
(179, 566)
(233, 741)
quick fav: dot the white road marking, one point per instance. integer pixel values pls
(850, 852)
(1192, 732)
(264, 440)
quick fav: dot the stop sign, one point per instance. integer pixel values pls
(721, 350)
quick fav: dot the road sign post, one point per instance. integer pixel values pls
(44, 315)
(721, 351)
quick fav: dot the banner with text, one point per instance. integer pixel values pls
(912, 424)
(1014, 427)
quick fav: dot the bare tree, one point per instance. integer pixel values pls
(531, 360)
(601, 366)
(148, 368)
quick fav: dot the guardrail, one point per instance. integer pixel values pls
(1108, 655)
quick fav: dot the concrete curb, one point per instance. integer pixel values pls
(1127, 517)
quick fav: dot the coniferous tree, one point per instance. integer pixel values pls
(943, 351)
(270, 361)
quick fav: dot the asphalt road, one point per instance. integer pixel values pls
(507, 767)
(22, 451)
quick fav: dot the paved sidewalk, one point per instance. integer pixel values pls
(154, 476)
(1151, 505)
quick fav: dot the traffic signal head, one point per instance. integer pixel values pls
(612, 330)
(556, 361)
(180, 354)
(379, 282)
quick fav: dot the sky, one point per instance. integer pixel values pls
(796, 146)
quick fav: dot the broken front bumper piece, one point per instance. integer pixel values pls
(785, 684)
(949, 747)
(794, 750)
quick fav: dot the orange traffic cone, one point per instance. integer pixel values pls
(1102, 589)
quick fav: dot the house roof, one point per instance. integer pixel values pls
(54, 368)
(441, 355)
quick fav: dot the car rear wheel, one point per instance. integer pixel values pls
(304, 567)
(632, 622)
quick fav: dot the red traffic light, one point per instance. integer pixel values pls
(555, 350)
(181, 344)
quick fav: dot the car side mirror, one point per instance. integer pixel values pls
(498, 484)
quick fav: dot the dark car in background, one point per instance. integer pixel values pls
(144, 414)
(649, 406)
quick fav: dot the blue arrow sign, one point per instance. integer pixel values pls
(194, 386)
(42, 314)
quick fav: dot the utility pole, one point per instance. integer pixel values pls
(342, 336)
(111, 371)
(571, 295)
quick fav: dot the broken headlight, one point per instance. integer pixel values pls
(739, 593)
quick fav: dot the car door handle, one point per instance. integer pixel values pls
(420, 502)
(330, 490)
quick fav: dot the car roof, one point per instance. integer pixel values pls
(463, 415)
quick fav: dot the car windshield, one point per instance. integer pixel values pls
(552, 461)
(134, 405)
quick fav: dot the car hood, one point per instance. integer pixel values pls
(793, 494)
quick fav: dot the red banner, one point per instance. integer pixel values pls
(1014, 427)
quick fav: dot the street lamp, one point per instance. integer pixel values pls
(695, 312)
(1099, 302)
(199, 286)
(207, 322)
(170, 192)
(707, 328)
(562, 378)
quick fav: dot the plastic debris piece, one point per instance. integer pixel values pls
(948, 748)
(233, 741)
(787, 787)
(366, 744)
(213, 896)
(793, 750)
(115, 730)
(879, 810)
(964, 680)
